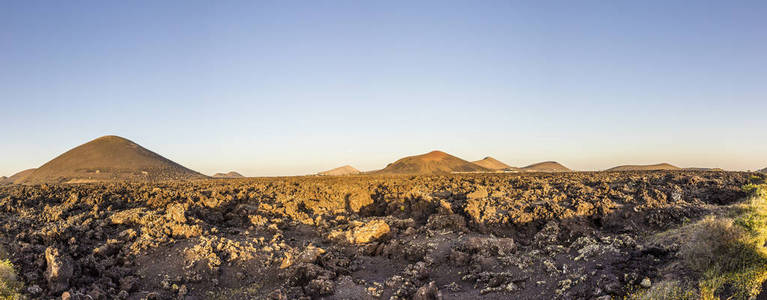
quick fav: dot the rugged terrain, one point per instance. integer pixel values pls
(496, 236)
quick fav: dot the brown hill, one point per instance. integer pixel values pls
(435, 162)
(763, 170)
(109, 158)
(231, 174)
(546, 166)
(345, 170)
(655, 167)
(492, 164)
(19, 177)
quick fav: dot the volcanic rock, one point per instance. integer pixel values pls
(363, 233)
(428, 292)
(574, 235)
(646, 283)
(59, 270)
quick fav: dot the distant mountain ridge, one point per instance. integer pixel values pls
(113, 158)
(655, 167)
(340, 171)
(231, 174)
(703, 169)
(546, 166)
(108, 158)
(493, 164)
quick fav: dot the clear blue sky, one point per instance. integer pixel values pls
(296, 87)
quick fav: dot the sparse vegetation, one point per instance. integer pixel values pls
(667, 290)
(730, 263)
(725, 253)
(9, 282)
(730, 252)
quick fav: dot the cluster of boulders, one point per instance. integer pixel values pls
(568, 235)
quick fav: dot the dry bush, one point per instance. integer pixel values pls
(712, 242)
(728, 253)
(9, 283)
(666, 290)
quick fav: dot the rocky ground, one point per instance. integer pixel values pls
(522, 236)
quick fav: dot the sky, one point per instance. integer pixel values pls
(271, 88)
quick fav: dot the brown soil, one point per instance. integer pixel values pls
(435, 162)
(547, 166)
(490, 236)
(655, 167)
(108, 158)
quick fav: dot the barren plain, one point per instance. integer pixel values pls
(493, 236)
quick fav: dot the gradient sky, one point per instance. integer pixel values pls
(296, 87)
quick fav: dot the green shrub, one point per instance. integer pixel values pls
(712, 242)
(750, 188)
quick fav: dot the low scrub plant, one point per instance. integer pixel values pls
(725, 254)
(666, 290)
(728, 253)
(9, 283)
